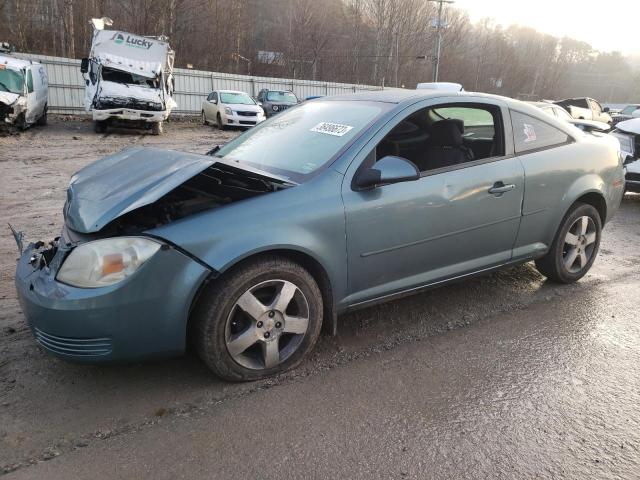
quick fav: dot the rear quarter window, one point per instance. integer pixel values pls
(530, 133)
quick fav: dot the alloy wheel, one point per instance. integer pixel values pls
(579, 244)
(267, 324)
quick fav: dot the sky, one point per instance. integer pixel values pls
(606, 24)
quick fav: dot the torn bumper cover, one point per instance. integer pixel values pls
(11, 106)
(134, 319)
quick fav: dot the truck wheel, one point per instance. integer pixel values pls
(221, 125)
(100, 126)
(156, 128)
(575, 246)
(261, 319)
(42, 121)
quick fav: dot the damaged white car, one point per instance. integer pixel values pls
(128, 78)
(24, 90)
(628, 134)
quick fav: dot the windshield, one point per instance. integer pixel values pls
(285, 97)
(236, 98)
(118, 76)
(11, 81)
(299, 141)
(629, 110)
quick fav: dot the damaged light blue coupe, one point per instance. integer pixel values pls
(250, 251)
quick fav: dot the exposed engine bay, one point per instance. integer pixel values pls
(216, 186)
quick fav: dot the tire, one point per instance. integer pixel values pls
(100, 126)
(219, 320)
(42, 121)
(204, 118)
(219, 123)
(157, 128)
(21, 122)
(575, 246)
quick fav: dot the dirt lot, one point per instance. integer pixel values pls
(53, 410)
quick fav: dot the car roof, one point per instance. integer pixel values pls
(231, 91)
(399, 95)
(14, 62)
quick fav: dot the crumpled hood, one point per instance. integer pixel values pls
(120, 90)
(8, 98)
(125, 181)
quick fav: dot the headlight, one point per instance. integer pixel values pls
(275, 108)
(228, 111)
(105, 262)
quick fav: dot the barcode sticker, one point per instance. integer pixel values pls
(334, 129)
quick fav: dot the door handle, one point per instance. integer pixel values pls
(499, 188)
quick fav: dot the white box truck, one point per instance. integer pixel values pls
(128, 78)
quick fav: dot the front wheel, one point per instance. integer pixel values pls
(221, 125)
(258, 320)
(100, 126)
(156, 128)
(575, 246)
(42, 121)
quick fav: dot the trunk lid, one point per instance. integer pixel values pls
(125, 181)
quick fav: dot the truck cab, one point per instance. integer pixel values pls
(128, 80)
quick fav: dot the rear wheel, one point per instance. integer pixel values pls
(100, 126)
(204, 118)
(261, 319)
(575, 247)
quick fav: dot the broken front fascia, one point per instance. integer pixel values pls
(128, 101)
(11, 106)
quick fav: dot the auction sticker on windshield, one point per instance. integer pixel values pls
(334, 129)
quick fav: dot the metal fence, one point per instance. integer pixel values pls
(66, 85)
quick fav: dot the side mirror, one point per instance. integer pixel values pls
(387, 170)
(605, 109)
(629, 160)
(84, 65)
(214, 101)
(259, 104)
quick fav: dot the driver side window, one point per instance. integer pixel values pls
(446, 136)
(29, 81)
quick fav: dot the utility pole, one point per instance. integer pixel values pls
(439, 27)
(397, 56)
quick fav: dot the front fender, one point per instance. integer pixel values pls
(308, 219)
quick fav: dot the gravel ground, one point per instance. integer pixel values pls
(50, 408)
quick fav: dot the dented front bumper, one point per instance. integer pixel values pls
(10, 113)
(143, 316)
(129, 114)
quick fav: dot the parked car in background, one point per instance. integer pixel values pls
(585, 108)
(231, 108)
(627, 113)
(275, 101)
(628, 134)
(24, 92)
(338, 204)
(558, 112)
